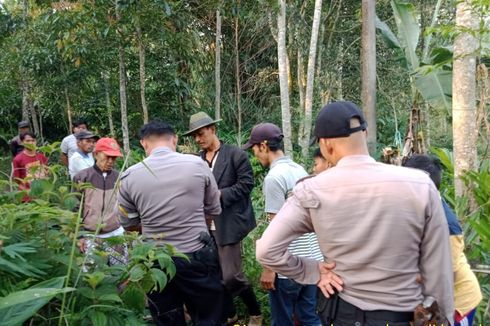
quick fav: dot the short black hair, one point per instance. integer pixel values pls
(156, 128)
(428, 163)
(318, 153)
(79, 122)
(24, 134)
(275, 145)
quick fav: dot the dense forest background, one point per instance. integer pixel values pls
(418, 69)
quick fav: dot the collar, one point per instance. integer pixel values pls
(279, 160)
(355, 160)
(160, 149)
(98, 170)
(84, 155)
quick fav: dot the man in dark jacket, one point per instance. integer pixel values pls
(98, 213)
(234, 176)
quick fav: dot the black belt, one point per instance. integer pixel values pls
(383, 315)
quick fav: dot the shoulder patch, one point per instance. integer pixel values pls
(306, 197)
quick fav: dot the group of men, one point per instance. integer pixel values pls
(373, 238)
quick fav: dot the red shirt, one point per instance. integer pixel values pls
(29, 166)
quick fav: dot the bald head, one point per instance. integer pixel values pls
(333, 149)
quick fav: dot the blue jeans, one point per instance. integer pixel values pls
(291, 298)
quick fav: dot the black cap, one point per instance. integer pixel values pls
(84, 134)
(23, 124)
(263, 131)
(333, 121)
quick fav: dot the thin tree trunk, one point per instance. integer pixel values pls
(464, 98)
(217, 68)
(25, 99)
(108, 104)
(238, 84)
(283, 77)
(141, 53)
(68, 110)
(310, 78)
(34, 120)
(301, 89)
(368, 80)
(122, 99)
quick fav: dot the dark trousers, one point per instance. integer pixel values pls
(335, 311)
(197, 284)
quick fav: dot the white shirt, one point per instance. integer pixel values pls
(69, 145)
(79, 161)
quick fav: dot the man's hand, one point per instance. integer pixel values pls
(82, 245)
(267, 279)
(329, 281)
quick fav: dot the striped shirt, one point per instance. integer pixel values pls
(278, 184)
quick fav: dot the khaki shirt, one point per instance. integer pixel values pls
(381, 224)
(169, 194)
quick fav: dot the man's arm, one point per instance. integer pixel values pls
(272, 248)
(245, 182)
(126, 210)
(64, 159)
(435, 257)
(64, 152)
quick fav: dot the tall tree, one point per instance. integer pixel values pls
(283, 77)
(237, 78)
(217, 68)
(141, 54)
(464, 101)
(368, 75)
(310, 76)
(122, 85)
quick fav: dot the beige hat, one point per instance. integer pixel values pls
(199, 120)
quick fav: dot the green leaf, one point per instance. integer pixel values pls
(136, 273)
(110, 297)
(98, 318)
(94, 279)
(436, 87)
(408, 29)
(19, 306)
(134, 298)
(160, 278)
(390, 38)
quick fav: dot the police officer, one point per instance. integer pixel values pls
(168, 197)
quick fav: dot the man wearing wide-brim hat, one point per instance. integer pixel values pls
(234, 176)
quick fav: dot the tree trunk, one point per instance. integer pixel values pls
(310, 79)
(238, 84)
(68, 110)
(301, 90)
(122, 99)
(25, 99)
(368, 77)
(283, 77)
(217, 68)
(141, 53)
(108, 104)
(464, 98)
(34, 118)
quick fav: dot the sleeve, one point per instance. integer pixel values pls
(435, 256)
(75, 165)
(16, 166)
(245, 182)
(64, 146)
(291, 221)
(212, 205)
(275, 194)
(125, 208)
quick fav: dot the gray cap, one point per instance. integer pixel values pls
(84, 134)
(23, 124)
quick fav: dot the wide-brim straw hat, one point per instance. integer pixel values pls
(199, 120)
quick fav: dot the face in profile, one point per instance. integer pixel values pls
(320, 165)
(260, 152)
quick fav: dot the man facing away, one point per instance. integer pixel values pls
(234, 176)
(15, 143)
(98, 213)
(69, 143)
(381, 226)
(467, 293)
(83, 157)
(287, 297)
(168, 197)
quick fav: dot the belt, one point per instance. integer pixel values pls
(383, 315)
